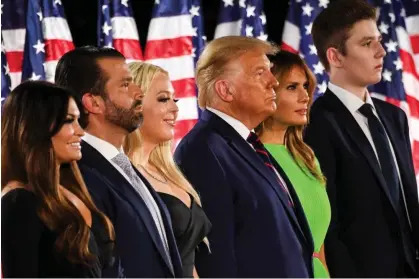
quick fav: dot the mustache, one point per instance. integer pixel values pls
(137, 103)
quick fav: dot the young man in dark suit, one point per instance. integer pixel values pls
(144, 238)
(258, 226)
(363, 147)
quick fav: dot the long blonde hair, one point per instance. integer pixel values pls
(283, 62)
(161, 157)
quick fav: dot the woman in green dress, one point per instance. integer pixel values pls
(282, 137)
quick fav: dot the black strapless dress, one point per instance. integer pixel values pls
(190, 226)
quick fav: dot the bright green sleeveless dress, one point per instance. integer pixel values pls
(313, 197)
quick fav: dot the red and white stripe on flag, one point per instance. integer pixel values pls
(169, 45)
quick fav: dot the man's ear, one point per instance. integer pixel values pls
(334, 57)
(93, 103)
(223, 90)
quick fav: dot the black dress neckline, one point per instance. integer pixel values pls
(190, 226)
(174, 197)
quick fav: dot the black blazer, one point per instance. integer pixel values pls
(254, 231)
(138, 243)
(364, 238)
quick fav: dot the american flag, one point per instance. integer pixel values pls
(5, 77)
(400, 81)
(412, 26)
(175, 29)
(241, 18)
(117, 28)
(13, 34)
(34, 41)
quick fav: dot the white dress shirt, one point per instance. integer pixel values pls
(233, 122)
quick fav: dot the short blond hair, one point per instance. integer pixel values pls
(213, 61)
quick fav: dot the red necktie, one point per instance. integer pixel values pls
(254, 140)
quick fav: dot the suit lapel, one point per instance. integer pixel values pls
(355, 133)
(93, 159)
(248, 154)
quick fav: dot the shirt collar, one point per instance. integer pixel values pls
(351, 102)
(236, 124)
(103, 147)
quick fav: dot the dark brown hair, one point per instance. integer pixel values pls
(78, 70)
(331, 27)
(283, 62)
(32, 114)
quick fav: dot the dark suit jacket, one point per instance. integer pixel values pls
(138, 243)
(364, 236)
(254, 231)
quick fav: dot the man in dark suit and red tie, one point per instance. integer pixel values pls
(259, 228)
(363, 147)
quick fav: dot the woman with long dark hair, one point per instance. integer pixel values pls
(50, 226)
(282, 136)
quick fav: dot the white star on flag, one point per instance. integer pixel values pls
(125, 3)
(313, 49)
(40, 47)
(57, 2)
(249, 31)
(6, 69)
(391, 46)
(308, 28)
(322, 87)
(323, 3)
(104, 7)
(318, 68)
(392, 17)
(263, 18)
(262, 36)
(194, 31)
(156, 2)
(40, 15)
(194, 52)
(242, 3)
(250, 11)
(398, 63)
(307, 9)
(228, 3)
(387, 75)
(387, 1)
(35, 77)
(106, 28)
(383, 28)
(194, 11)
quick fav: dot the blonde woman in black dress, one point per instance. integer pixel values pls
(149, 148)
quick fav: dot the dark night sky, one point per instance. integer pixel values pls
(82, 18)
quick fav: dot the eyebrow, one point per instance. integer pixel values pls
(73, 115)
(129, 79)
(366, 38)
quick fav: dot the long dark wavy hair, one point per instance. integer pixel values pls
(32, 114)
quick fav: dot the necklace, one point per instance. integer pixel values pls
(156, 178)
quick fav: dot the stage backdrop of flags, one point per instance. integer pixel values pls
(35, 34)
